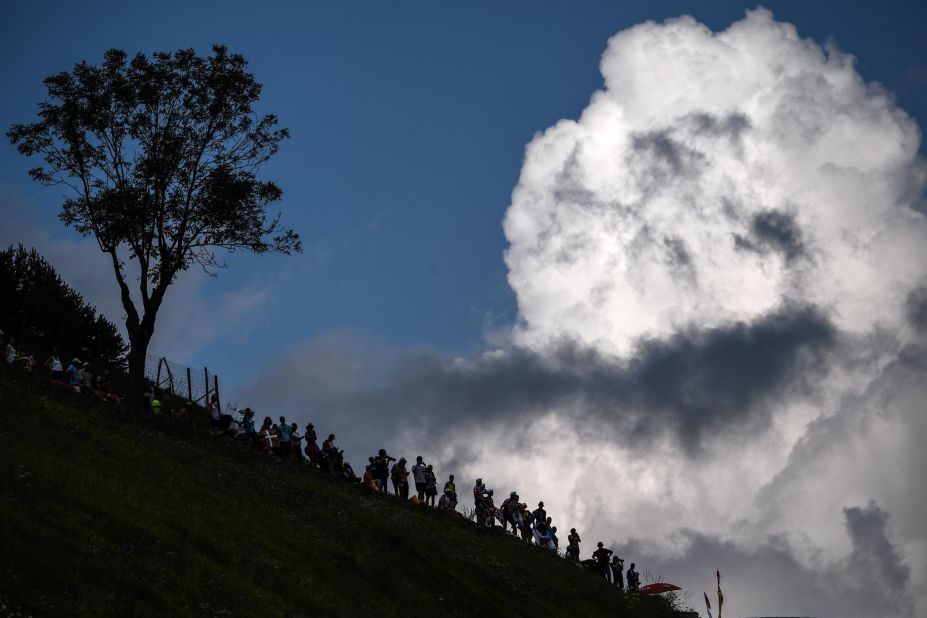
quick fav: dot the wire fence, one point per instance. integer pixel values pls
(193, 384)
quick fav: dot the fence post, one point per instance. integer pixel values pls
(206, 386)
(189, 386)
(215, 380)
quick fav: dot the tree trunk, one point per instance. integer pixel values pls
(138, 351)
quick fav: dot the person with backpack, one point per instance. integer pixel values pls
(510, 512)
(400, 477)
(431, 486)
(602, 555)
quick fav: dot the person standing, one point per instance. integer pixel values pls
(618, 572)
(268, 436)
(296, 442)
(451, 486)
(283, 432)
(396, 473)
(431, 485)
(602, 556)
(73, 372)
(540, 515)
(86, 377)
(55, 367)
(418, 474)
(403, 481)
(381, 470)
(573, 542)
(634, 580)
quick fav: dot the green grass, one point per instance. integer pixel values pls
(104, 513)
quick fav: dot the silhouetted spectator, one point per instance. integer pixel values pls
(634, 580)
(283, 432)
(431, 485)
(601, 555)
(418, 473)
(618, 572)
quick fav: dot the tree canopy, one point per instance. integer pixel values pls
(161, 157)
(43, 312)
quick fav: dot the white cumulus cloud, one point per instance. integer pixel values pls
(715, 177)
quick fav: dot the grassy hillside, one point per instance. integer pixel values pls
(103, 513)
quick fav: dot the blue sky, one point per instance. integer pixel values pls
(409, 122)
(721, 290)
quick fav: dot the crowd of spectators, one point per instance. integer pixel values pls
(282, 440)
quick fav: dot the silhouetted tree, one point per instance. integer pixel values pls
(160, 156)
(44, 312)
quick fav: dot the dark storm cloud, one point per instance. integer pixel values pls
(916, 306)
(690, 384)
(773, 230)
(732, 125)
(870, 581)
(669, 156)
(873, 553)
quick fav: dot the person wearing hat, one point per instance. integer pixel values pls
(247, 423)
